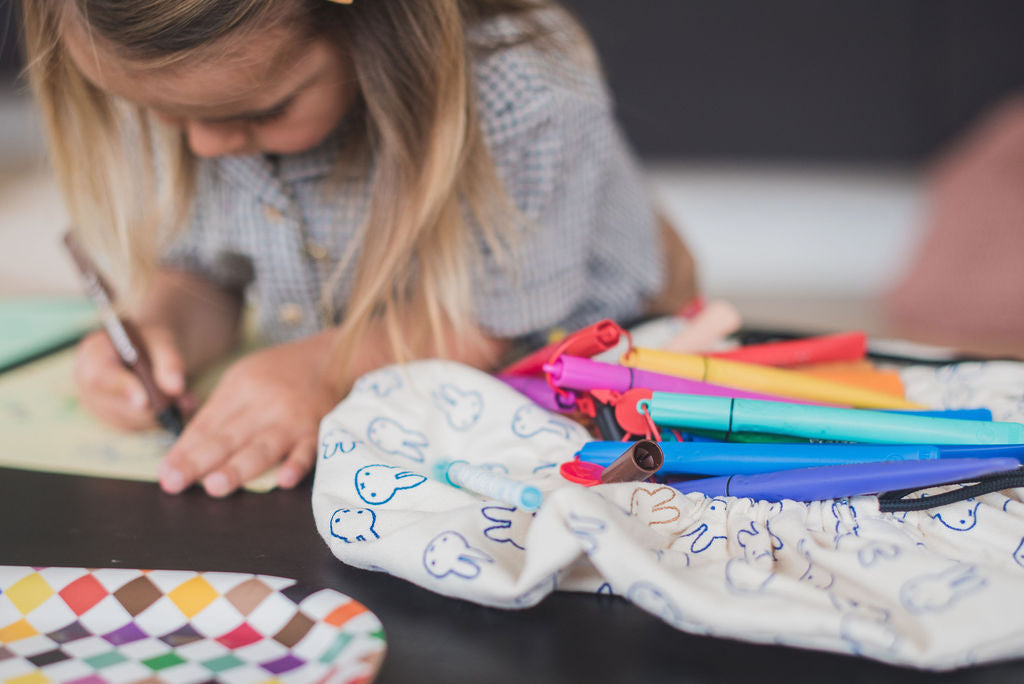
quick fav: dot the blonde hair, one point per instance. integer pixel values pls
(128, 179)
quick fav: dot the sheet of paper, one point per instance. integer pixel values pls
(30, 326)
(43, 427)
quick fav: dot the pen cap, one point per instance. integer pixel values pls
(638, 462)
(588, 341)
(578, 373)
(627, 413)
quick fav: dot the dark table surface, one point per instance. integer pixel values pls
(77, 521)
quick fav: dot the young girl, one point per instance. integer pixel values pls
(402, 179)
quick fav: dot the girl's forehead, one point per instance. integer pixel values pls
(235, 71)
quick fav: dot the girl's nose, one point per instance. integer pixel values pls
(216, 140)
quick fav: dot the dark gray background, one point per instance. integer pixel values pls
(838, 80)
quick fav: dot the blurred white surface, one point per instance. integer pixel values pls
(32, 215)
(32, 219)
(794, 231)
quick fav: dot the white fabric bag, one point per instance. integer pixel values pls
(935, 589)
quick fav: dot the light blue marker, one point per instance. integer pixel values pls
(489, 483)
(822, 422)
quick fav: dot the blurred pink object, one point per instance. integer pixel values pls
(716, 321)
(965, 285)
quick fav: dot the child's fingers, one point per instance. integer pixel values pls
(115, 411)
(299, 462)
(253, 459)
(168, 364)
(205, 444)
(98, 371)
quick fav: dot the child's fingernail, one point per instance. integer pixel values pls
(217, 484)
(288, 477)
(138, 399)
(175, 383)
(173, 481)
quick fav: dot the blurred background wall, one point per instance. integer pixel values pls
(845, 80)
(786, 138)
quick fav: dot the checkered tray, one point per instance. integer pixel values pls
(115, 626)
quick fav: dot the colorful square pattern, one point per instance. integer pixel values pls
(170, 627)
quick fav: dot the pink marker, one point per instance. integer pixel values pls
(575, 373)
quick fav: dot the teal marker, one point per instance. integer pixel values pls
(489, 483)
(822, 422)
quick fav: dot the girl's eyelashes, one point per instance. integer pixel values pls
(268, 117)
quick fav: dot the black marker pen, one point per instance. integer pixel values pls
(125, 338)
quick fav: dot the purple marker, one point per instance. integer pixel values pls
(540, 391)
(833, 482)
(576, 373)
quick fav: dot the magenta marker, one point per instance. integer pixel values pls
(573, 372)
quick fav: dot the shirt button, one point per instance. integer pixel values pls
(315, 250)
(272, 213)
(290, 313)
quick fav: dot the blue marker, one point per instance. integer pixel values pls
(833, 482)
(726, 458)
(822, 422)
(489, 483)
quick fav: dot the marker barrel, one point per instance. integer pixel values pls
(824, 422)
(540, 392)
(576, 373)
(849, 346)
(959, 414)
(833, 482)
(488, 483)
(765, 379)
(710, 458)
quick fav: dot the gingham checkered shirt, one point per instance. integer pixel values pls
(591, 252)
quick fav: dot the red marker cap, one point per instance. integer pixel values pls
(628, 418)
(581, 472)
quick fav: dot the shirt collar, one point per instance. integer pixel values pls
(261, 176)
(254, 174)
(311, 164)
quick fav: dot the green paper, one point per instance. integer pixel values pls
(34, 326)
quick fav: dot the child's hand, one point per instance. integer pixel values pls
(113, 393)
(266, 408)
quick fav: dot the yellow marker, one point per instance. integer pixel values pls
(759, 378)
(880, 381)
